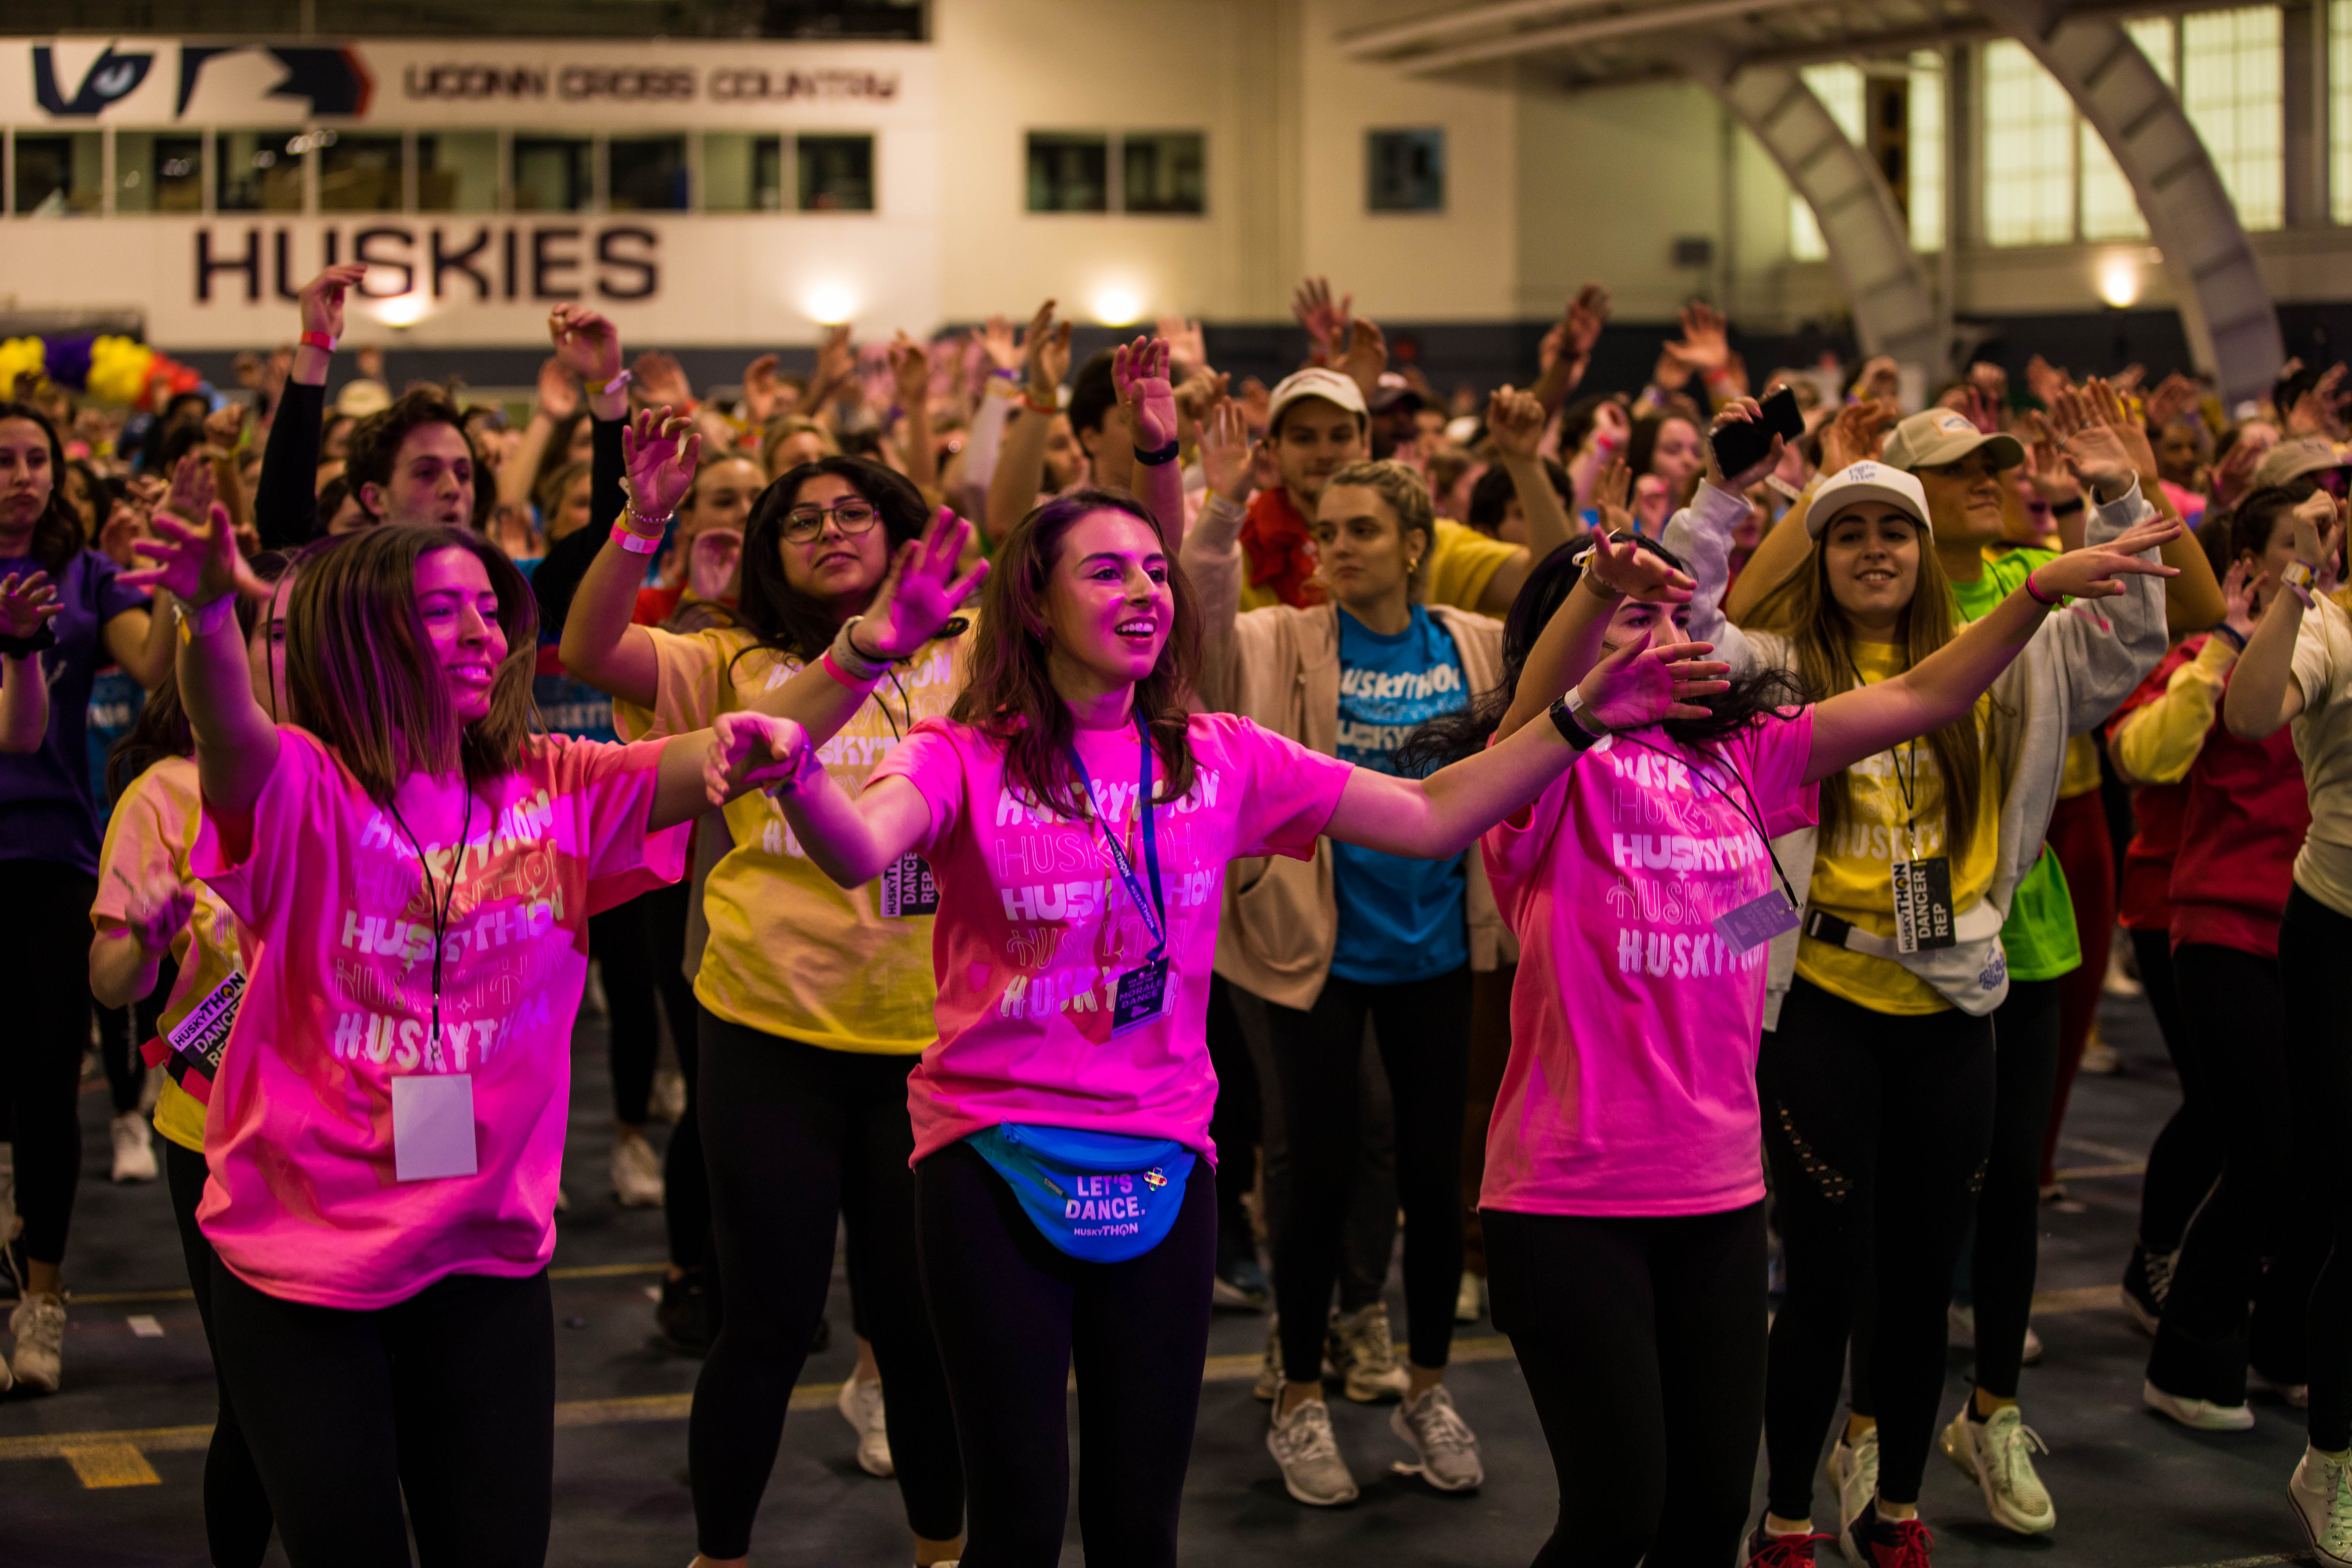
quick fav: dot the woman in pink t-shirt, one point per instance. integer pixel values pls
(1623, 1197)
(416, 869)
(1077, 821)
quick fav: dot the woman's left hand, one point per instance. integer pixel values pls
(1629, 571)
(2097, 572)
(157, 912)
(1641, 684)
(660, 458)
(921, 591)
(1140, 375)
(27, 604)
(752, 751)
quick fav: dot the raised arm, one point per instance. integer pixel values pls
(1566, 349)
(600, 646)
(557, 400)
(2193, 600)
(1516, 421)
(1945, 685)
(27, 605)
(1572, 643)
(1020, 473)
(589, 347)
(2263, 692)
(237, 744)
(2158, 742)
(1212, 555)
(1140, 375)
(286, 496)
(910, 377)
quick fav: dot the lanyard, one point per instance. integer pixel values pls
(1755, 821)
(437, 906)
(1155, 913)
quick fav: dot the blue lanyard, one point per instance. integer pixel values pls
(1155, 913)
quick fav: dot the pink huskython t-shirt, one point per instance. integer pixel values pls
(1631, 1087)
(303, 1202)
(1035, 925)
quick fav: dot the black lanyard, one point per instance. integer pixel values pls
(438, 906)
(1155, 913)
(1755, 821)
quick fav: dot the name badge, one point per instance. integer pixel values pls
(433, 1126)
(1141, 994)
(199, 1038)
(1923, 904)
(907, 888)
(1756, 922)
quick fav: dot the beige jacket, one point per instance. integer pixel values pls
(1279, 668)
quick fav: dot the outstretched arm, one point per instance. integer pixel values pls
(850, 840)
(1572, 643)
(236, 745)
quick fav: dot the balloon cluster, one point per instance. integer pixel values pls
(109, 368)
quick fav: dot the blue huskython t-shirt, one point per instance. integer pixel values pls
(45, 807)
(1400, 918)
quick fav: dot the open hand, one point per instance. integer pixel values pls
(660, 456)
(921, 590)
(27, 604)
(2047, 381)
(910, 371)
(1640, 684)
(1515, 422)
(192, 490)
(2242, 587)
(1705, 345)
(712, 561)
(1582, 319)
(2319, 528)
(587, 344)
(198, 564)
(2093, 450)
(999, 345)
(753, 751)
(660, 379)
(1188, 346)
(157, 912)
(1366, 356)
(764, 390)
(1139, 372)
(1325, 323)
(558, 395)
(2098, 570)
(1225, 451)
(1047, 346)
(1613, 496)
(1628, 570)
(1855, 432)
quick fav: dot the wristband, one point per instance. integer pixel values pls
(2226, 630)
(619, 382)
(2040, 598)
(41, 641)
(205, 619)
(319, 340)
(1001, 373)
(2299, 575)
(1029, 401)
(833, 667)
(1154, 458)
(848, 656)
(1720, 374)
(637, 543)
(2068, 507)
(1564, 719)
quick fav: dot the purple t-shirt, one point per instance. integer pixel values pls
(44, 804)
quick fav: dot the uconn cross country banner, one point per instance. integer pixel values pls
(733, 249)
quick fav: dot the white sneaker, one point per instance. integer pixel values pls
(637, 1173)
(1365, 1352)
(860, 1404)
(668, 1102)
(1962, 1334)
(1469, 1301)
(2202, 1415)
(134, 1154)
(1269, 1365)
(1302, 1444)
(1447, 1448)
(1997, 1454)
(2321, 1491)
(1854, 1471)
(40, 1324)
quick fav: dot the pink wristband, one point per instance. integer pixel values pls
(2040, 598)
(319, 340)
(637, 543)
(834, 669)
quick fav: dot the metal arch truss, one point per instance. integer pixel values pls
(2225, 307)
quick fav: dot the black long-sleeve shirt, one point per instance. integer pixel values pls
(558, 576)
(285, 496)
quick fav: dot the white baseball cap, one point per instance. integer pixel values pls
(1868, 480)
(1331, 385)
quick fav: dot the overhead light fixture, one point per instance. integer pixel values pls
(1115, 306)
(402, 310)
(2118, 279)
(829, 304)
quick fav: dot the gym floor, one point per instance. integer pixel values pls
(106, 1473)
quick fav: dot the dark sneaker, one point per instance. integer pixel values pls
(1871, 1541)
(2148, 1281)
(684, 1314)
(1784, 1550)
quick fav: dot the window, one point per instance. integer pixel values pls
(259, 171)
(2232, 85)
(2029, 151)
(1405, 171)
(1163, 171)
(457, 171)
(646, 173)
(157, 174)
(2339, 109)
(58, 175)
(552, 173)
(360, 174)
(837, 174)
(742, 173)
(1839, 86)
(1068, 171)
(1926, 150)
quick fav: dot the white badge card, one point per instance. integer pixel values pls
(433, 1126)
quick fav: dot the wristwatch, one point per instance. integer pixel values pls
(1568, 716)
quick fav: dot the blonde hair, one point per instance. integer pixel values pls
(783, 430)
(1407, 494)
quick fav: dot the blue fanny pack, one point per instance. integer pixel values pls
(1102, 1197)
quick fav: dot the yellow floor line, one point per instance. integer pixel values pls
(582, 1271)
(111, 1464)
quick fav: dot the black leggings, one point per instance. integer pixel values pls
(446, 1400)
(237, 1510)
(618, 940)
(1013, 1314)
(122, 1030)
(2236, 1015)
(45, 931)
(2185, 1161)
(1423, 1029)
(2007, 1252)
(1642, 1345)
(2312, 940)
(798, 1140)
(1877, 1128)
(685, 1185)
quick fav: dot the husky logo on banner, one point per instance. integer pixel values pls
(111, 79)
(331, 79)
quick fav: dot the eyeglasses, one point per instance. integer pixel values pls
(852, 516)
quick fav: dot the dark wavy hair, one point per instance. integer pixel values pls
(58, 533)
(1011, 698)
(786, 620)
(1450, 737)
(376, 444)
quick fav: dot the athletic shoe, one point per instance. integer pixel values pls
(1469, 1302)
(1302, 1444)
(134, 1151)
(2321, 1491)
(860, 1404)
(1447, 1447)
(1997, 1454)
(2297, 1394)
(2148, 1281)
(1854, 1471)
(1365, 1354)
(2202, 1415)
(1783, 1550)
(1871, 1541)
(682, 1315)
(637, 1173)
(1269, 1365)
(2100, 1060)
(1240, 1286)
(668, 1101)
(40, 1324)
(1962, 1332)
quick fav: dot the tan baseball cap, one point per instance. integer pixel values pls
(1867, 481)
(360, 398)
(2291, 460)
(1943, 435)
(1330, 386)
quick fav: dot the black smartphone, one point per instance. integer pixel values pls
(1741, 446)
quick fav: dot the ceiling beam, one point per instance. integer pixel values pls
(1365, 42)
(1649, 19)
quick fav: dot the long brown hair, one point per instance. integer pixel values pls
(1011, 697)
(1822, 638)
(58, 533)
(362, 675)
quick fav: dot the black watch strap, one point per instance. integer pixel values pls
(1563, 718)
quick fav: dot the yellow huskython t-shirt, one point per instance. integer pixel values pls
(790, 954)
(1853, 866)
(148, 839)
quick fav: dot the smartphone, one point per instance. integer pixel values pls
(1741, 446)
